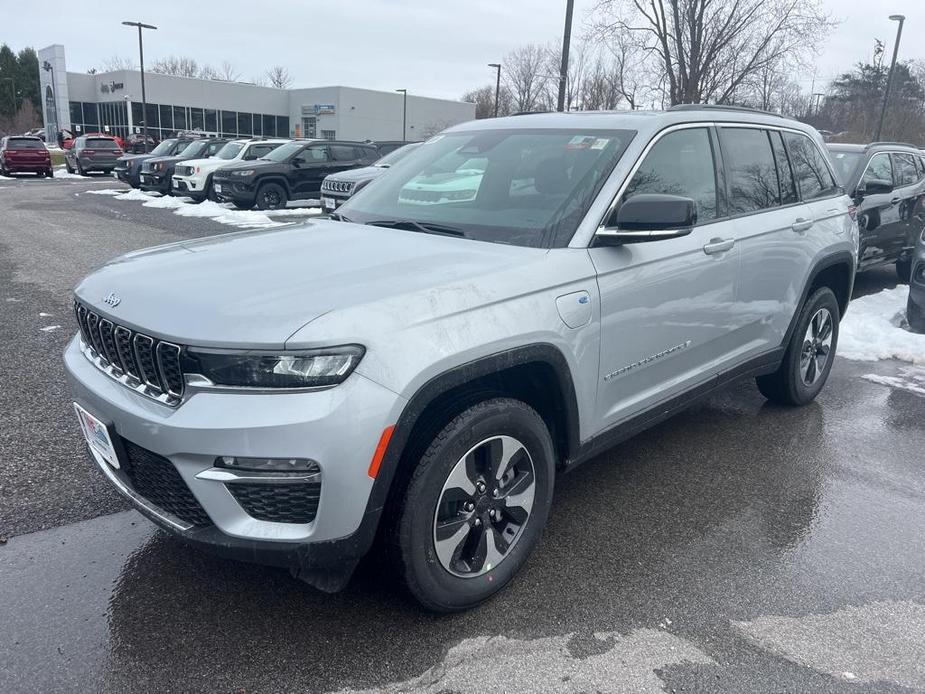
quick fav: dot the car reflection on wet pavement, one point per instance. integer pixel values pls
(666, 562)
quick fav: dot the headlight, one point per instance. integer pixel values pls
(316, 368)
(157, 166)
(245, 172)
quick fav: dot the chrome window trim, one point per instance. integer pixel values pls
(887, 153)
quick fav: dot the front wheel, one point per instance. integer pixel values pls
(271, 196)
(810, 353)
(904, 270)
(476, 505)
(50, 173)
(915, 314)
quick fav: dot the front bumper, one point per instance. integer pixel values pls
(339, 428)
(126, 175)
(159, 182)
(230, 190)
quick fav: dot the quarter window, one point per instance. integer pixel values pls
(681, 163)
(750, 169)
(904, 164)
(788, 187)
(809, 167)
(879, 169)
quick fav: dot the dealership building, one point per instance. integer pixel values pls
(111, 102)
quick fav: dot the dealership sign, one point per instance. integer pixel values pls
(107, 87)
(319, 110)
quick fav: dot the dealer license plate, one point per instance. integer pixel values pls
(97, 435)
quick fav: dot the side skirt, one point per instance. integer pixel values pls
(766, 363)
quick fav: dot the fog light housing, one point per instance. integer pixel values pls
(231, 462)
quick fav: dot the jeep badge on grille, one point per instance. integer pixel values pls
(111, 299)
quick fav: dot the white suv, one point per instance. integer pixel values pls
(194, 178)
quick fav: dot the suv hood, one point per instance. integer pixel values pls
(256, 164)
(258, 288)
(366, 173)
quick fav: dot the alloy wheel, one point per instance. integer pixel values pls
(817, 347)
(484, 506)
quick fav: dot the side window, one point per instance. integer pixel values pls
(313, 155)
(750, 169)
(812, 174)
(788, 187)
(365, 153)
(343, 153)
(681, 163)
(257, 151)
(879, 169)
(904, 166)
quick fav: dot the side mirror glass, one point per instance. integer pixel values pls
(875, 186)
(649, 217)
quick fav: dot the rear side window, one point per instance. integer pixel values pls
(100, 143)
(314, 154)
(24, 143)
(343, 153)
(906, 173)
(681, 163)
(750, 169)
(879, 169)
(814, 179)
(788, 187)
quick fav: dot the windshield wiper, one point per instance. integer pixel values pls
(426, 227)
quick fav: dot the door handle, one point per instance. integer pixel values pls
(800, 225)
(718, 246)
(895, 201)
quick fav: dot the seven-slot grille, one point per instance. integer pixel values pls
(147, 364)
(337, 186)
(183, 170)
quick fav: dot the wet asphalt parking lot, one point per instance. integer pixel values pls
(739, 547)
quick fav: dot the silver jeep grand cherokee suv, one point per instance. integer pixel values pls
(422, 372)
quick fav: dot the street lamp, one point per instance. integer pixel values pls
(497, 66)
(141, 60)
(566, 38)
(817, 101)
(404, 112)
(889, 80)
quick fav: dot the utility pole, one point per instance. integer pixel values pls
(889, 80)
(497, 66)
(141, 61)
(404, 113)
(566, 38)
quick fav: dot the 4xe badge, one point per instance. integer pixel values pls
(111, 299)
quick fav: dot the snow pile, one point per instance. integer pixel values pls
(874, 328)
(135, 194)
(107, 191)
(61, 172)
(911, 379)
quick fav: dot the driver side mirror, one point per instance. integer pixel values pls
(875, 186)
(649, 217)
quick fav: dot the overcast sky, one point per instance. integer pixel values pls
(431, 47)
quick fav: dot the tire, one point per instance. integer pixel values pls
(904, 270)
(271, 196)
(80, 169)
(210, 191)
(49, 173)
(916, 316)
(800, 377)
(438, 577)
(67, 166)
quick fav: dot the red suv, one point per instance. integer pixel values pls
(21, 154)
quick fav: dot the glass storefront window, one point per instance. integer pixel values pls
(244, 124)
(229, 123)
(269, 126)
(179, 117)
(196, 122)
(166, 117)
(211, 120)
(282, 126)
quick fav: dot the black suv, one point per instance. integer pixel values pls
(157, 172)
(128, 168)
(293, 171)
(887, 182)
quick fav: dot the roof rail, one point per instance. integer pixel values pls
(724, 107)
(892, 144)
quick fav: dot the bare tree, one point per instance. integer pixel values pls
(118, 62)
(227, 72)
(484, 100)
(706, 49)
(181, 66)
(279, 77)
(525, 76)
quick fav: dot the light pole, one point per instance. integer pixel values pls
(128, 115)
(141, 60)
(817, 96)
(497, 66)
(889, 80)
(404, 112)
(48, 67)
(566, 38)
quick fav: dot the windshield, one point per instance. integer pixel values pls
(283, 152)
(395, 155)
(194, 149)
(845, 163)
(229, 151)
(522, 187)
(24, 143)
(163, 148)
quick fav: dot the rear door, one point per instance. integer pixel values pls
(879, 222)
(910, 191)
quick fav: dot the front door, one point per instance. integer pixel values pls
(667, 307)
(310, 166)
(879, 222)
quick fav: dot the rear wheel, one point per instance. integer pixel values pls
(915, 314)
(904, 269)
(271, 196)
(67, 166)
(476, 505)
(80, 169)
(809, 355)
(50, 173)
